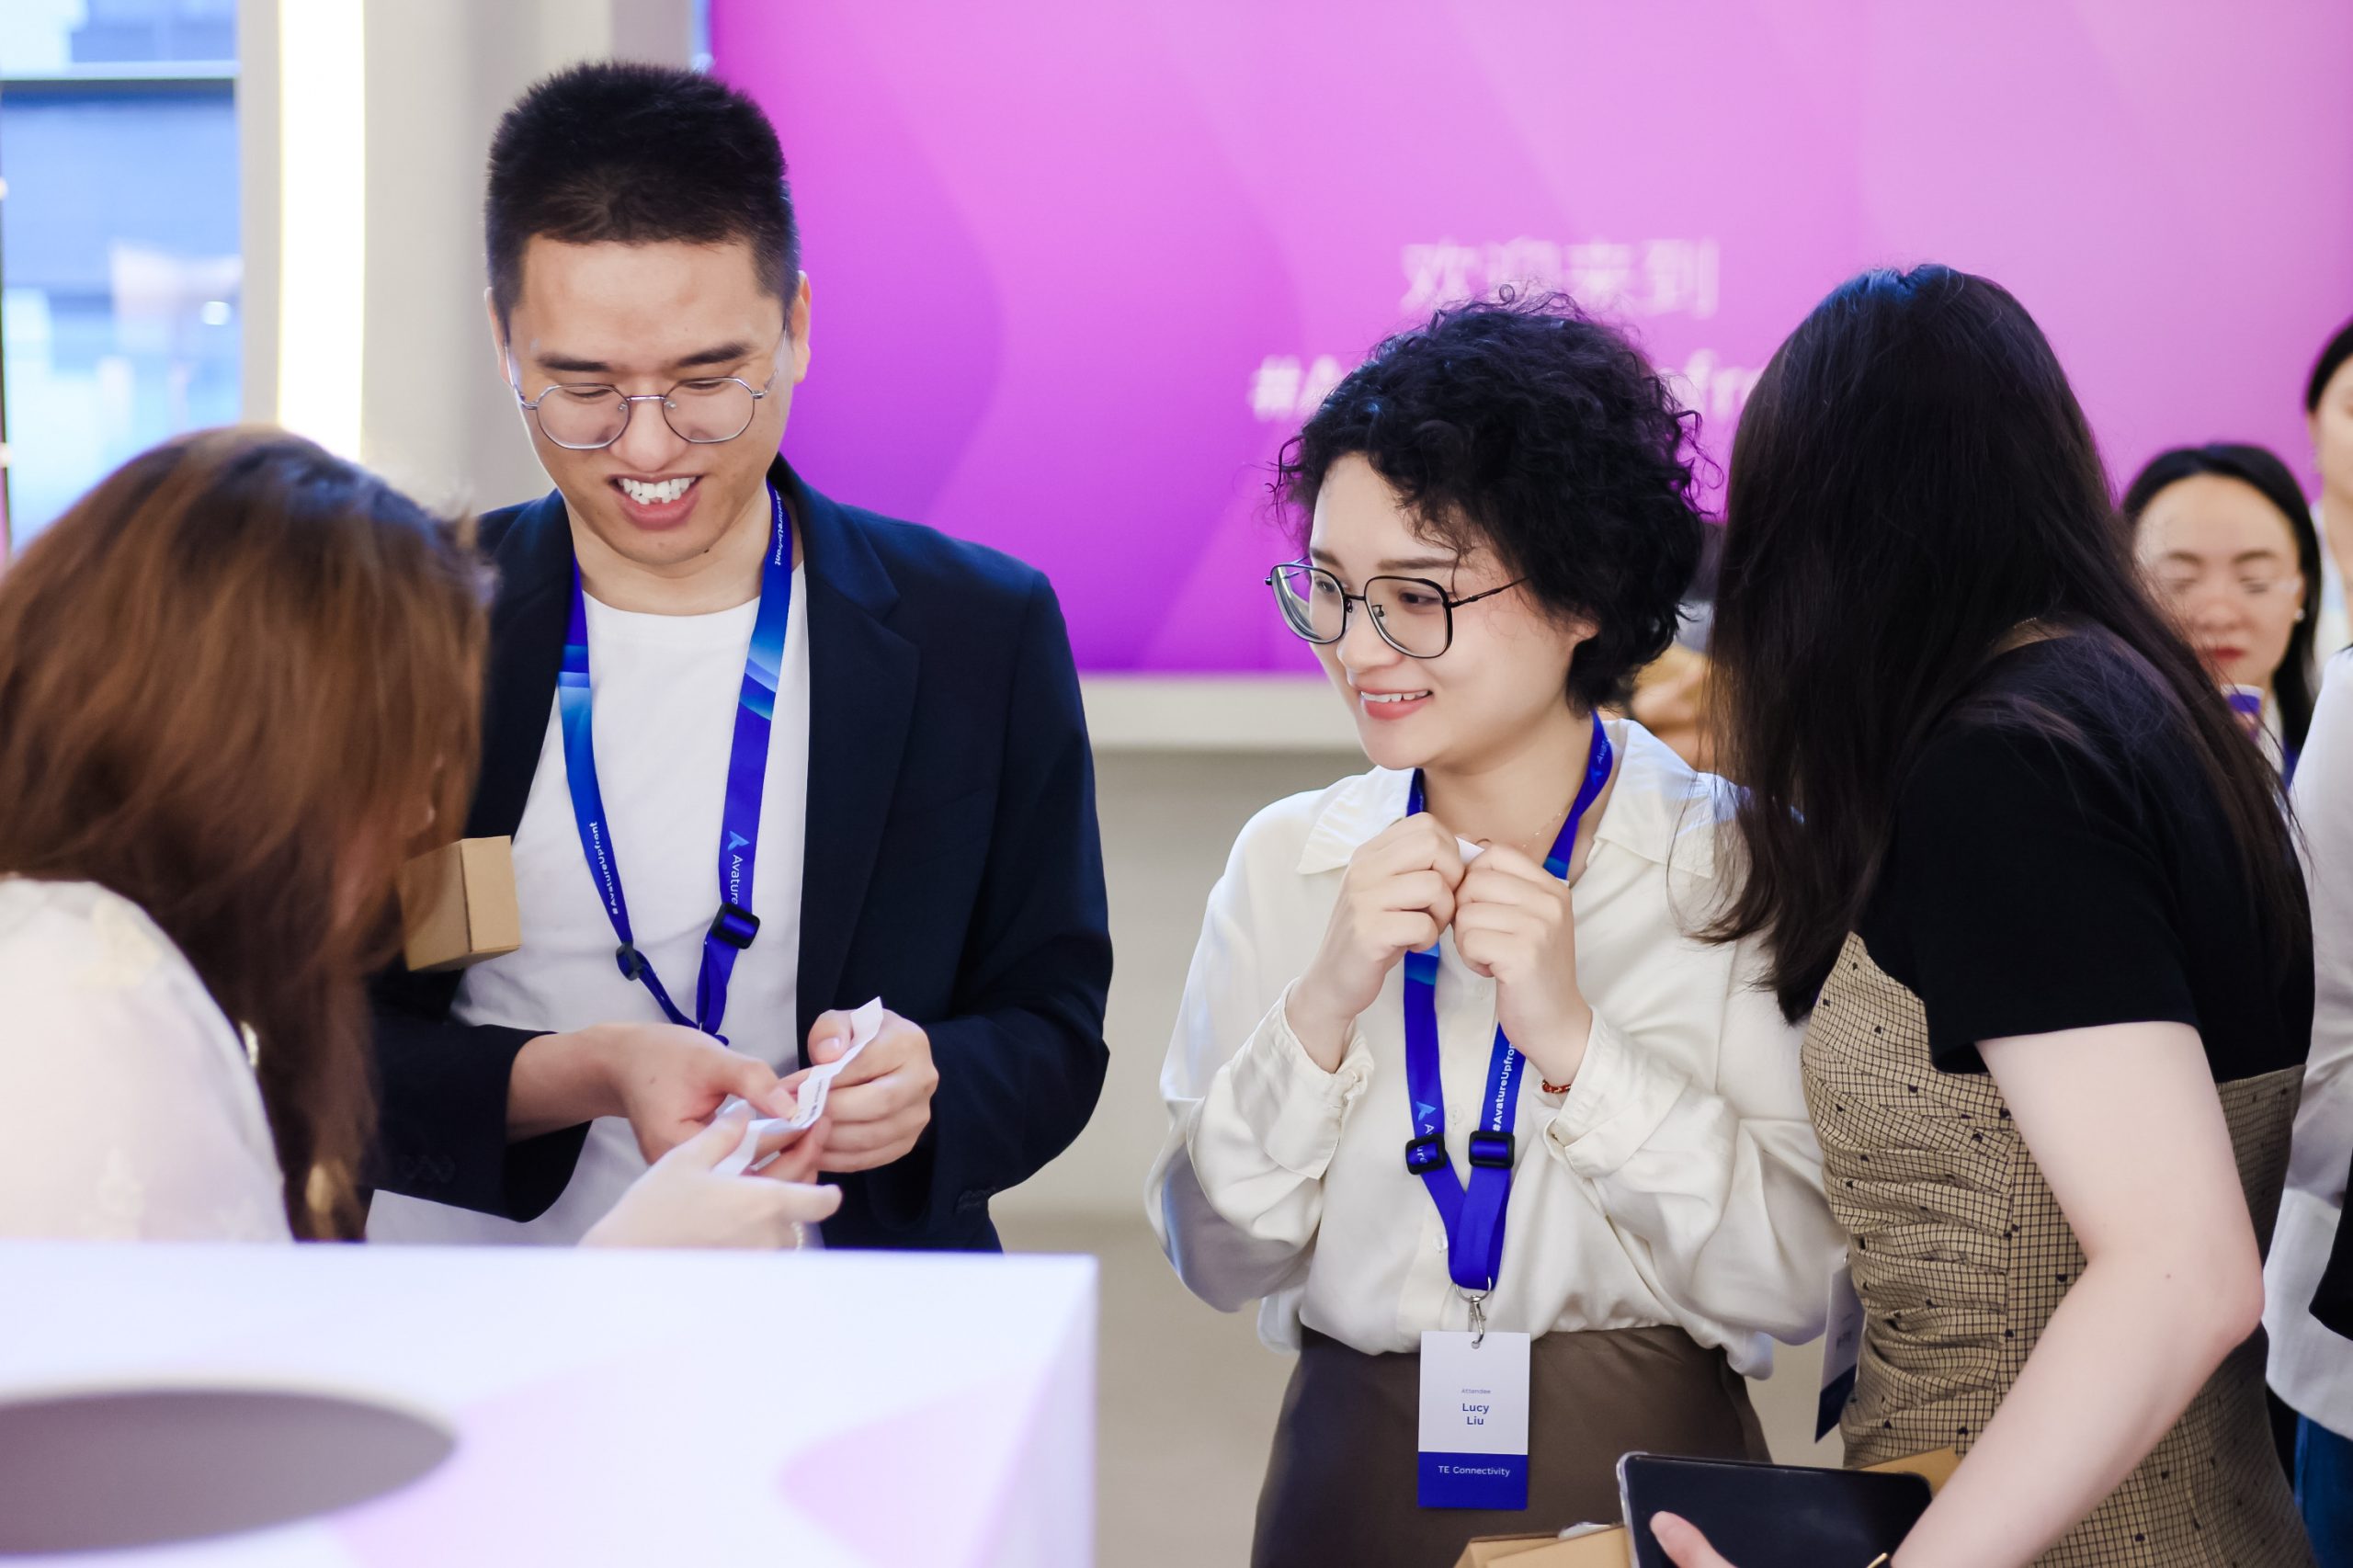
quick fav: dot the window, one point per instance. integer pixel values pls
(118, 238)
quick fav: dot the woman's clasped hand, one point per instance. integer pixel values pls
(1512, 923)
(1398, 895)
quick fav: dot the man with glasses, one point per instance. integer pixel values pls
(763, 756)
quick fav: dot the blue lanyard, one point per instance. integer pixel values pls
(732, 929)
(1474, 1221)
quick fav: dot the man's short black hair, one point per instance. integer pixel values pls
(1529, 426)
(615, 150)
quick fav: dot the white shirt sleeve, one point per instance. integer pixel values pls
(1716, 1186)
(2311, 1366)
(128, 1110)
(1235, 1195)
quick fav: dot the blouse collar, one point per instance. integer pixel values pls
(1657, 799)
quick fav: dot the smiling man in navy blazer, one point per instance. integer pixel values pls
(763, 756)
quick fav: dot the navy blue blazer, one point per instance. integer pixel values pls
(952, 868)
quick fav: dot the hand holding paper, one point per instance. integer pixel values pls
(667, 1080)
(691, 1198)
(765, 1138)
(873, 1075)
(770, 1146)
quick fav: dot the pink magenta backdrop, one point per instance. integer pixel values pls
(1080, 267)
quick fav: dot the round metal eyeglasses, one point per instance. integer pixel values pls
(705, 410)
(1412, 615)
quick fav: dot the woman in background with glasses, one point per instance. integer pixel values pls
(1474, 961)
(2224, 533)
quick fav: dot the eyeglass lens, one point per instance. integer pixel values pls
(1410, 615)
(704, 412)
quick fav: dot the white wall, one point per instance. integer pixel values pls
(1168, 819)
(436, 417)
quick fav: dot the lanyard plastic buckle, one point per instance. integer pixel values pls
(1492, 1150)
(632, 963)
(1424, 1155)
(735, 926)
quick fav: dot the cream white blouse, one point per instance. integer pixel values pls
(1677, 1181)
(128, 1105)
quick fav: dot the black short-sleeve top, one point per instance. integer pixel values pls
(2060, 860)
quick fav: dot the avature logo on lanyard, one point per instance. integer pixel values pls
(1474, 1220)
(733, 928)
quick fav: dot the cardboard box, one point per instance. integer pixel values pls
(1611, 1549)
(458, 904)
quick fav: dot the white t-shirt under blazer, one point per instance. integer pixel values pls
(664, 690)
(1677, 1181)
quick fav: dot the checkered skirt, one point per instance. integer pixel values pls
(1961, 1254)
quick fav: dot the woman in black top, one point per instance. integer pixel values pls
(2034, 884)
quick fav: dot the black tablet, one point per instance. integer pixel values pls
(1772, 1516)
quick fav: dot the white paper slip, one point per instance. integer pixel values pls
(739, 1159)
(1470, 851)
(810, 1099)
(1474, 1420)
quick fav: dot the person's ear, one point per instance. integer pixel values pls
(498, 349)
(795, 327)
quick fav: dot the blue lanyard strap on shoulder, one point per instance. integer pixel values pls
(733, 928)
(1474, 1219)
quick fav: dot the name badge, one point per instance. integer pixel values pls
(1842, 1347)
(1474, 1421)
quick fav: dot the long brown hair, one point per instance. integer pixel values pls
(1913, 483)
(238, 681)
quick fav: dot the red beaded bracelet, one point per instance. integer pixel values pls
(1557, 1088)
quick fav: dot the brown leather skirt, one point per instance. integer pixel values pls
(1341, 1482)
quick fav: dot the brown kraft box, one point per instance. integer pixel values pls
(458, 904)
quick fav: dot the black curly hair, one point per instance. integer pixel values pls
(1524, 425)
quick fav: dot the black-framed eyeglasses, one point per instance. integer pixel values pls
(589, 417)
(1412, 615)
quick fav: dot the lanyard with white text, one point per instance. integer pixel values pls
(1474, 1222)
(732, 929)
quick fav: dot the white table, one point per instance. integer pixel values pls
(628, 1407)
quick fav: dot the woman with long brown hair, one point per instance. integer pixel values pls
(238, 689)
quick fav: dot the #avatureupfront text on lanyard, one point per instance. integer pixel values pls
(1474, 1384)
(732, 929)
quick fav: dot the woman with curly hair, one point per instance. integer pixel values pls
(1475, 961)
